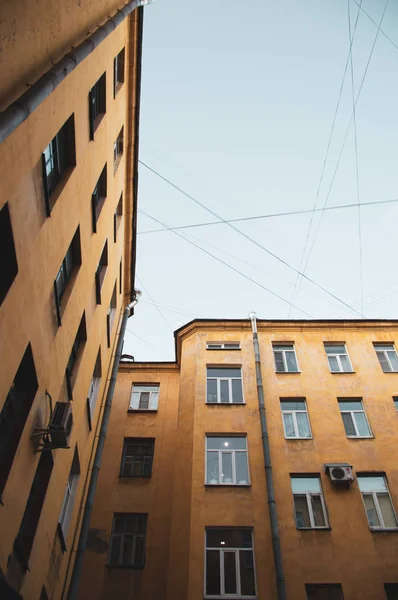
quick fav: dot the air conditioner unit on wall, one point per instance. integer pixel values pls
(341, 474)
(61, 424)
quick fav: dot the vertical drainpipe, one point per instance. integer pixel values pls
(88, 507)
(276, 544)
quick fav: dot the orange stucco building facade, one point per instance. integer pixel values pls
(179, 514)
(67, 229)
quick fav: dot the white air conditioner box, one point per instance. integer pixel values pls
(340, 474)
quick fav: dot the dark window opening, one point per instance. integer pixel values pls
(117, 217)
(56, 158)
(118, 148)
(98, 197)
(127, 544)
(8, 257)
(76, 350)
(15, 412)
(93, 389)
(110, 317)
(330, 591)
(30, 520)
(391, 590)
(137, 457)
(97, 104)
(101, 272)
(72, 259)
(120, 280)
(118, 72)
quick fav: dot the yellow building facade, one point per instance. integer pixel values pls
(70, 84)
(181, 507)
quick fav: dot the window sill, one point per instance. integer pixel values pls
(118, 87)
(295, 439)
(313, 528)
(142, 410)
(287, 372)
(97, 123)
(223, 349)
(227, 485)
(134, 477)
(133, 567)
(60, 186)
(342, 372)
(383, 530)
(234, 597)
(360, 437)
(225, 403)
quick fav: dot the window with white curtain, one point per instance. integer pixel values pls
(144, 397)
(226, 460)
(377, 501)
(285, 358)
(339, 361)
(309, 503)
(296, 423)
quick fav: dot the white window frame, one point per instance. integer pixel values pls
(220, 453)
(236, 551)
(222, 345)
(337, 357)
(378, 349)
(275, 346)
(294, 417)
(153, 389)
(352, 412)
(375, 495)
(229, 379)
(308, 496)
(69, 496)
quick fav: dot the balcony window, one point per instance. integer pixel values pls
(226, 460)
(224, 385)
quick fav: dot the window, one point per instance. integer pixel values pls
(120, 277)
(391, 590)
(224, 385)
(30, 520)
(223, 346)
(144, 397)
(110, 317)
(93, 389)
(97, 104)
(137, 457)
(328, 591)
(339, 361)
(69, 499)
(387, 356)
(226, 460)
(101, 272)
(77, 348)
(118, 149)
(285, 358)
(8, 262)
(229, 563)
(72, 259)
(98, 198)
(354, 418)
(377, 500)
(295, 418)
(15, 412)
(127, 545)
(118, 72)
(56, 158)
(396, 402)
(117, 217)
(309, 504)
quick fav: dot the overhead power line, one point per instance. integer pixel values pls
(377, 25)
(224, 263)
(281, 260)
(345, 140)
(325, 159)
(269, 216)
(154, 303)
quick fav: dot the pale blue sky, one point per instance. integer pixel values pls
(237, 105)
